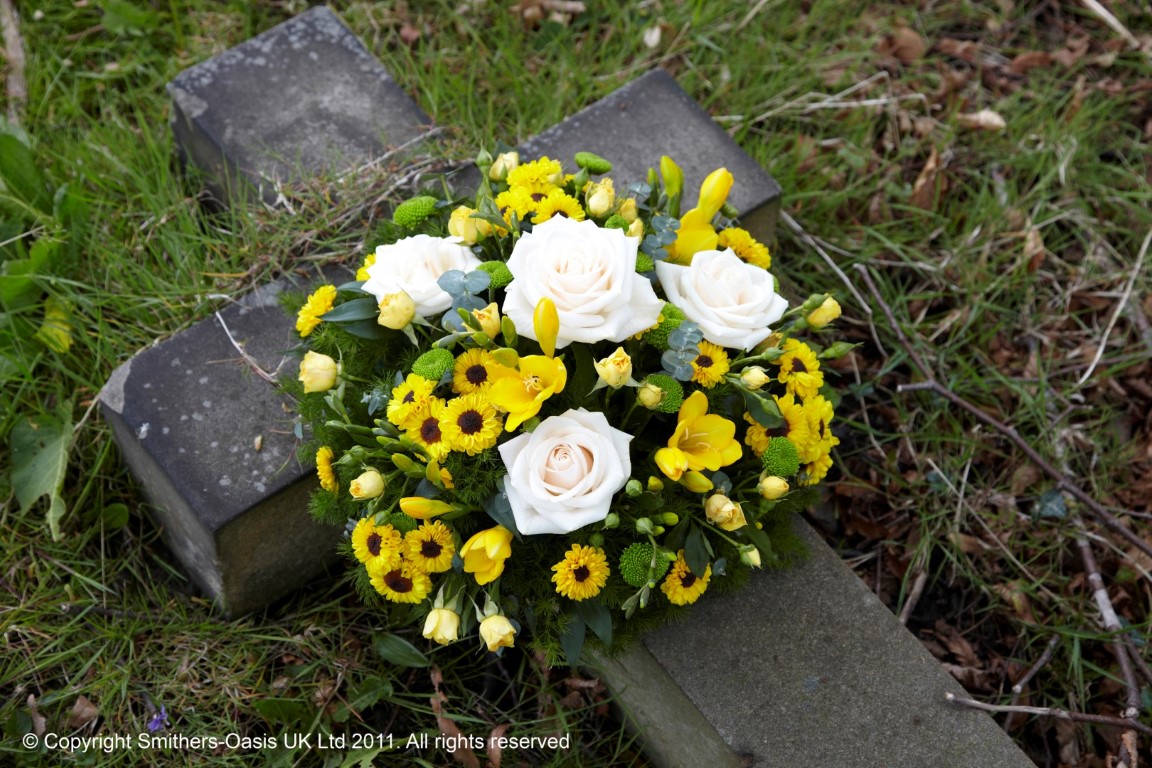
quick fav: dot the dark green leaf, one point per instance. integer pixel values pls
(398, 651)
(572, 641)
(355, 285)
(114, 516)
(500, 510)
(357, 309)
(368, 691)
(1051, 505)
(596, 616)
(675, 539)
(584, 377)
(282, 711)
(121, 17)
(696, 551)
(23, 179)
(764, 410)
(39, 457)
(368, 329)
(18, 287)
(759, 539)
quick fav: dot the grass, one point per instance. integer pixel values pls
(1006, 325)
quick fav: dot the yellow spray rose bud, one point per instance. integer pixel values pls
(497, 632)
(650, 395)
(724, 512)
(489, 319)
(696, 481)
(484, 554)
(754, 377)
(749, 555)
(600, 197)
(616, 369)
(369, 485)
(772, 487)
(422, 508)
(442, 626)
(546, 324)
(824, 314)
(635, 229)
(396, 310)
(462, 225)
(503, 163)
(673, 177)
(628, 210)
(318, 372)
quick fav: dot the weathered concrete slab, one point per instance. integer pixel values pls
(805, 667)
(212, 448)
(301, 98)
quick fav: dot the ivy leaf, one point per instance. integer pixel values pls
(572, 641)
(40, 448)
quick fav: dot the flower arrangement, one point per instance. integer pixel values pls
(563, 407)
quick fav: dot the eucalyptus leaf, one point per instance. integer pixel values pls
(452, 282)
(477, 281)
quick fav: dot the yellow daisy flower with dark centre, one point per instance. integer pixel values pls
(710, 365)
(757, 437)
(430, 547)
(814, 472)
(745, 246)
(324, 469)
(409, 401)
(377, 546)
(558, 203)
(403, 583)
(681, 585)
(470, 424)
(516, 200)
(582, 573)
(537, 177)
(795, 427)
(426, 430)
(369, 260)
(799, 369)
(473, 372)
(319, 303)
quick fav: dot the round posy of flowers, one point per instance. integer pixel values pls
(733, 302)
(589, 273)
(563, 474)
(413, 265)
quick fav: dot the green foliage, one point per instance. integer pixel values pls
(40, 448)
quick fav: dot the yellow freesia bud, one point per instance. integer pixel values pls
(396, 310)
(724, 512)
(714, 191)
(696, 482)
(318, 372)
(600, 197)
(824, 314)
(772, 487)
(616, 369)
(497, 632)
(484, 554)
(422, 508)
(655, 484)
(442, 626)
(546, 324)
(369, 485)
(650, 395)
(673, 177)
(489, 319)
(635, 229)
(749, 555)
(503, 163)
(628, 210)
(754, 377)
(462, 225)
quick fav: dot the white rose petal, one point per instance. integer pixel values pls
(589, 273)
(563, 475)
(733, 302)
(414, 264)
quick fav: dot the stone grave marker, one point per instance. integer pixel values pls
(803, 668)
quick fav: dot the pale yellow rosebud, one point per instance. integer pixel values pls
(601, 197)
(369, 485)
(503, 163)
(772, 487)
(750, 556)
(497, 632)
(650, 395)
(754, 377)
(318, 372)
(635, 229)
(442, 626)
(724, 512)
(616, 369)
(396, 310)
(824, 314)
(489, 319)
(461, 225)
(628, 210)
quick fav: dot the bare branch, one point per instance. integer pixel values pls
(1059, 714)
(17, 86)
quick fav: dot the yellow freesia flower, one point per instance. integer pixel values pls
(521, 393)
(701, 440)
(696, 232)
(422, 508)
(484, 554)
(546, 324)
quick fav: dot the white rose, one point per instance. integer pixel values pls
(413, 265)
(563, 475)
(590, 275)
(733, 302)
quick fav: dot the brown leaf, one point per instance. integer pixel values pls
(926, 191)
(984, 120)
(965, 50)
(38, 723)
(1030, 60)
(83, 712)
(463, 754)
(495, 752)
(1017, 598)
(1034, 249)
(969, 545)
(957, 644)
(904, 44)
(1024, 478)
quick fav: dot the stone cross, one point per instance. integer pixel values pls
(802, 668)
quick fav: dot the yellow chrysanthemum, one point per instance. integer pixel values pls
(377, 546)
(537, 177)
(430, 547)
(796, 427)
(369, 260)
(319, 303)
(426, 431)
(401, 584)
(557, 202)
(745, 246)
(710, 365)
(819, 414)
(409, 400)
(582, 573)
(681, 585)
(799, 369)
(516, 200)
(757, 436)
(472, 372)
(324, 469)
(814, 472)
(470, 424)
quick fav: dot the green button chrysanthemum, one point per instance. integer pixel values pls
(781, 459)
(635, 561)
(616, 221)
(593, 163)
(433, 363)
(411, 212)
(670, 318)
(499, 272)
(402, 523)
(644, 264)
(673, 393)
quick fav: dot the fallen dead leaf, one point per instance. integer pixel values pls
(957, 644)
(83, 712)
(38, 722)
(904, 44)
(929, 184)
(462, 754)
(495, 753)
(1034, 249)
(965, 50)
(984, 120)
(1017, 598)
(1029, 61)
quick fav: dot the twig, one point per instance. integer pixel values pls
(271, 379)
(914, 595)
(1059, 714)
(1106, 16)
(811, 243)
(1018, 688)
(14, 51)
(1119, 308)
(1109, 520)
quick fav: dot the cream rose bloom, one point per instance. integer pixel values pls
(413, 265)
(733, 302)
(589, 273)
(563, 475)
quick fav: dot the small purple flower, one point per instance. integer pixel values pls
(158, 721)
